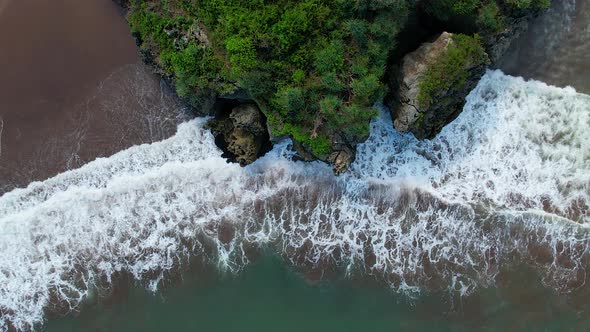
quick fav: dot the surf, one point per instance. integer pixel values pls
(510, 175)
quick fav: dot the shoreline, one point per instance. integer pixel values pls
(61, 85)
(306, 190)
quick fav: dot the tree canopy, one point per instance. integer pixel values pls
(315, 67)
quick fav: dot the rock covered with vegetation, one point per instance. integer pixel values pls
(430, 84)
(499, 22)
(315, 68)
(434, 82)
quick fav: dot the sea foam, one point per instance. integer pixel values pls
(508, 179)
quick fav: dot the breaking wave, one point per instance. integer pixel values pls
(508, 182)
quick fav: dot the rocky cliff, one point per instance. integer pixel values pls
(314, 71)
(434, 81)
(428, 86)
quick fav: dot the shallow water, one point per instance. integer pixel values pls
(72, 88)
(484, 227)
(268, 296)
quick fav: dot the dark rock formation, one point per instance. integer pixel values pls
(340, 160)
(343, 152)
(497, 44)
(425, 120)
(241, 133)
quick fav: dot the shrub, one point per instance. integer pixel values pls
(490, 18)
(447, 9)
(516, 8)
(305, 61)
(315, 67)
(451, 70)
(528, 4)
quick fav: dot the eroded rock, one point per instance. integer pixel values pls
(426, 117)
(340, 161)
(241, 133)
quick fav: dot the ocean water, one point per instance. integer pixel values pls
(269, 296)
(556, 48)
(489, 219)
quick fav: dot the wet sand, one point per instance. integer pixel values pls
(72, 87)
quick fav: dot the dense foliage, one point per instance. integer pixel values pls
(450, 71)
(481, 15)
(315, 67)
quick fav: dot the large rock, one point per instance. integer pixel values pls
(340, 160)
(341, 156)
(242, 134)
(426, 119)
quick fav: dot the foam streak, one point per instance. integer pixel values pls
(509, 178)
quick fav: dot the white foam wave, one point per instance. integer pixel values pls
(518, 145)
(509, 175)
(190, 143)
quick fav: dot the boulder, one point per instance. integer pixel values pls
(340, 161)
(242, 134)
(425, 117)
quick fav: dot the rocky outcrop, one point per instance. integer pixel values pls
(341, 160)
(341, 156)
(422, 98)
(242, 133)
(425, 113)
(497, 44)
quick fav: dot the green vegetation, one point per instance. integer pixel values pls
(489, 18)
(313, 51)
(528, 4)
(481, 15)
(451, 70)
(196, 69)
(315, 67)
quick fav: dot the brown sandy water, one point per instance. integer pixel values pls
(556, 49)
(72, 88)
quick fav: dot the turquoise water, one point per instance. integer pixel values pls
(268, 296)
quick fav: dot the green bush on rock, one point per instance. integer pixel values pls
(489, 18)
(451, 70)
(315, 67)
(290, 56)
